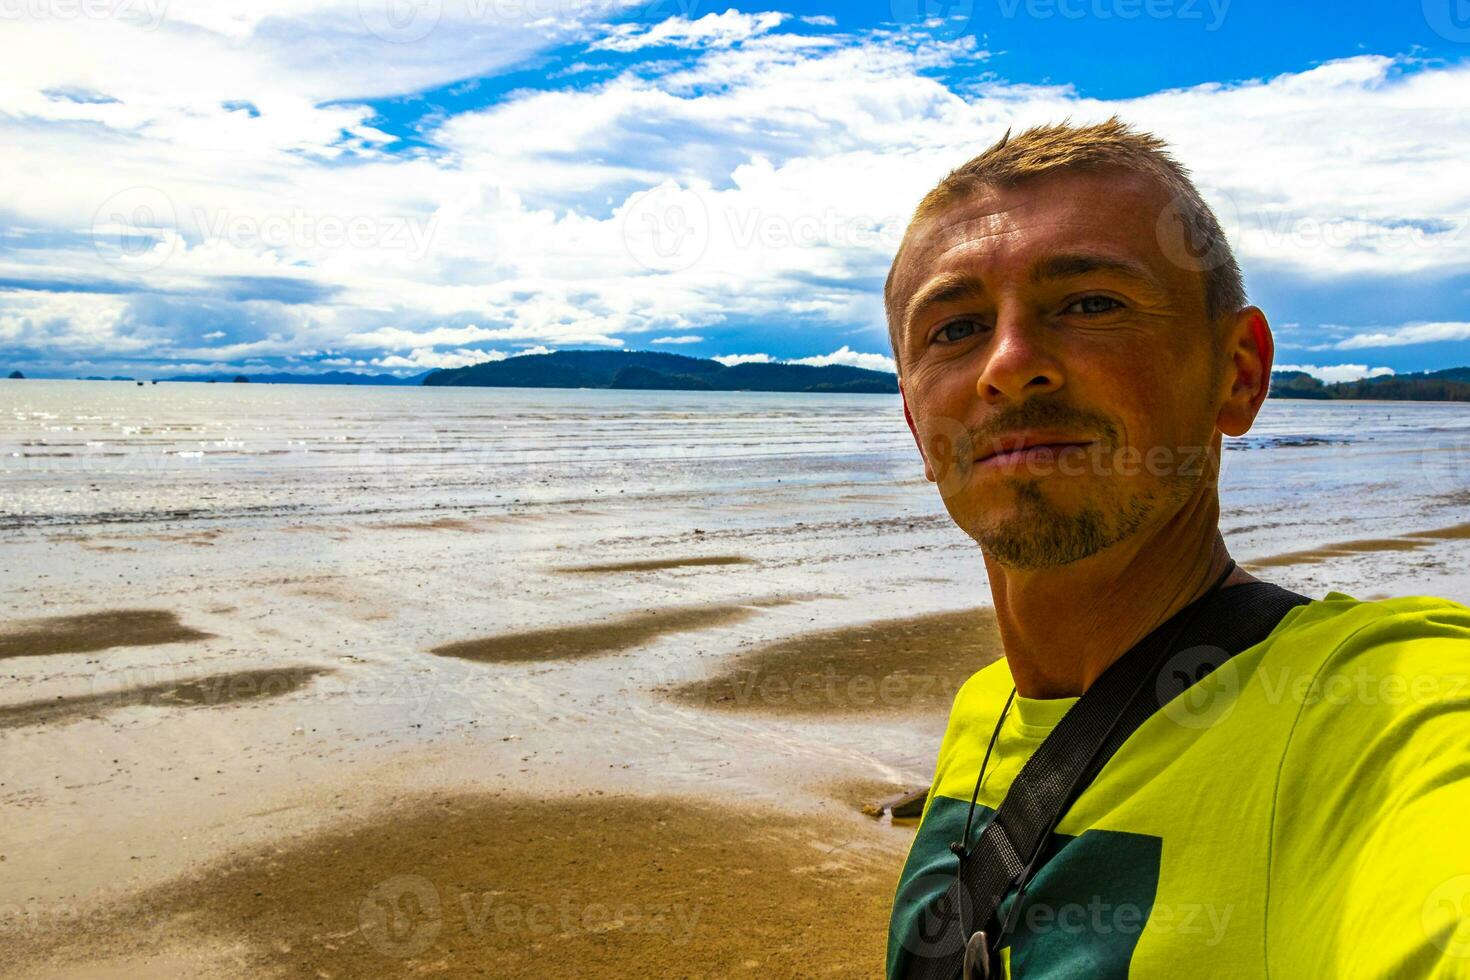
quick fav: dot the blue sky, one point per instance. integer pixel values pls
(396, 185)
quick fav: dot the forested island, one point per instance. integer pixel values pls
(658, 370)
(1450, 384)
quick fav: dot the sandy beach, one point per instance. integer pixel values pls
(406, 699)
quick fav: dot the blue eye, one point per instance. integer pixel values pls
(945, 331)
(1094, 305)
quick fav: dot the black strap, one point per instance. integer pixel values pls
(1176, 655)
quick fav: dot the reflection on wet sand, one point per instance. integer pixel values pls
(438, 524)
(601, 637)
(654, 564)
(95, 631)
(211, 691)
(895, 666)
(520, 887)
(1408, 542)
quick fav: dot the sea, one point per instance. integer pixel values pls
(89, 454)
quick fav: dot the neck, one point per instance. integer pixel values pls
(1063, 626)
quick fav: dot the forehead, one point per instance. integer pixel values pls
(1005, 231)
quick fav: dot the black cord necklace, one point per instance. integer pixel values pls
(961, 847)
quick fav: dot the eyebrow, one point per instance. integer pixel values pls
(1071, 265)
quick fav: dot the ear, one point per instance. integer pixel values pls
(928, 470)
(1248, 353)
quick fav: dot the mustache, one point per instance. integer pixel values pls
(965, 440)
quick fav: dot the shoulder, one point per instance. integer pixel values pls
(1374, 680)
(1371, 788)
(982, 695)
(975, 707)
(1339, 632)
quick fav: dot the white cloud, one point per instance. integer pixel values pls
(730, 360)
(799, 160)
(1413, 333)
(845, 355)
(426, 357)
(711, 30)
(686, 339)
(1332, 373)
(421, 358)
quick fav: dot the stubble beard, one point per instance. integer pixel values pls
(1043, 535)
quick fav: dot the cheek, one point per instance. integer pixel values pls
(946, 388)
(1136, 392)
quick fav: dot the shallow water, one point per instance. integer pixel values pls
(99, 452)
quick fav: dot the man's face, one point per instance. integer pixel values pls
(1052, 309)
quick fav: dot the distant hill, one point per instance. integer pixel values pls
(659, 370)
(1449, 384)
(326, 378)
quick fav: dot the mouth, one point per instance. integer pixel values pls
(1024, 446)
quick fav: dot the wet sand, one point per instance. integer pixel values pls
(1408, 542)
(899, 666)
(599, 638)
(538, 649)
(213, 691)
(95, 631)
(655, 564)
(516, 887)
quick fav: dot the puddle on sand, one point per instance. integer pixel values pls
(601, 637)
(95, 631)
(214, 690)
(900, 666)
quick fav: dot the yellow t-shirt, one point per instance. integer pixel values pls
(1302, 812)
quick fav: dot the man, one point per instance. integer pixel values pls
(1304, 811)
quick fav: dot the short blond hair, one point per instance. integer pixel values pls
(1045, 150)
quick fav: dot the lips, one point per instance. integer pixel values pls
(1017, 441)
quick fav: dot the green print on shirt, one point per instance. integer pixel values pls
(1081, 916)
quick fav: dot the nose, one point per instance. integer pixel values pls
(1021, 364)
